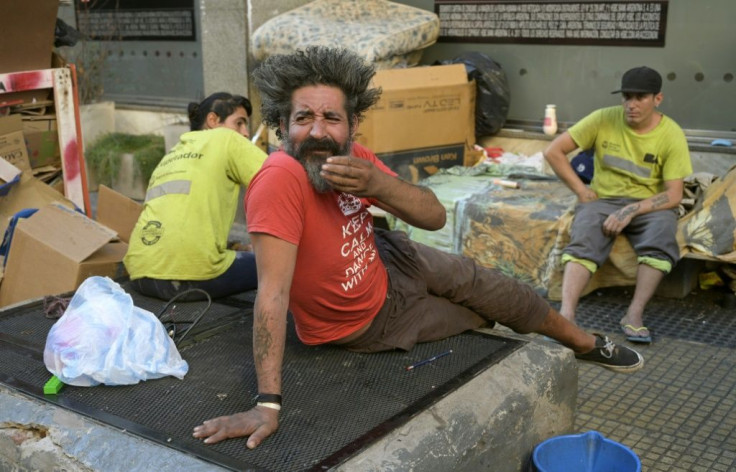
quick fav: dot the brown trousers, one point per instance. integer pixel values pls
(433, 295)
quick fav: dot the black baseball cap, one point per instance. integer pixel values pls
(640, 80)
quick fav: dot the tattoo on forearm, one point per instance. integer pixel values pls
(263, 342)
(626, 211)
(660, 200)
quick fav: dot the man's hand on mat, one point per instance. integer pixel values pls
(258, 423)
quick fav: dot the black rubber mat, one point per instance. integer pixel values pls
(335, 402)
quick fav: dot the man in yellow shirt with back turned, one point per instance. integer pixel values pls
(180, 240)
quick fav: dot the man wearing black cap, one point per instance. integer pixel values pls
(641, 159)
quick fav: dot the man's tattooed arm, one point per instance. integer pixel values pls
(626, 211)
(660, 200)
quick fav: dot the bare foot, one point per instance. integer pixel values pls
(634, 329)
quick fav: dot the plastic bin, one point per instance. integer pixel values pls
(587, 452)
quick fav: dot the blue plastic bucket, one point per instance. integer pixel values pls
(587, 452)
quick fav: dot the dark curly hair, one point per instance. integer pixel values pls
(222, 103)
(280, 75)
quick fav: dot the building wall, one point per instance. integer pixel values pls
(697, 63)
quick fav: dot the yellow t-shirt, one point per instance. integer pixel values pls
(628, 164)
(190, 207)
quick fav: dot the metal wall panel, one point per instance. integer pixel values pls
(162, 73)
(149, 61)
(697, 64)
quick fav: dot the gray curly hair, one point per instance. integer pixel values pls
(279, 75)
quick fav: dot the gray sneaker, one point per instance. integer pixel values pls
(611, 356)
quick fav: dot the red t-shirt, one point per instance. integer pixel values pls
(339, 281)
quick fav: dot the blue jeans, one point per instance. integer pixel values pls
(239, 277)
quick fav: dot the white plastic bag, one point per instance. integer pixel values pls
(103, 338)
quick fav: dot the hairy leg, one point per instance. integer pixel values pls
(574, 280)
(647, 281)
(566, 332)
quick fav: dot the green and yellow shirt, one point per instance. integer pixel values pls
(190, 207)
(628, 164)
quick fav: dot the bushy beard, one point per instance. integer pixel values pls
(313, 163)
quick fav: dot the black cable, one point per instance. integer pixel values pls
(171, 328)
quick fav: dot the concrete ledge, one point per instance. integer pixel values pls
(492, 422)
(38, 436)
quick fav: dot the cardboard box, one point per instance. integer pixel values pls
(8, 173)
(12, 143)
(54, 250)
(27, 42)
(424, 121)
(29, 192)
(117, 212)
(42, 140)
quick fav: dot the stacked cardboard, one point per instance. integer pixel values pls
(31, 143)
(424, 121)
(12, 143)
(56, 248)
(27, 43)
(42, 140)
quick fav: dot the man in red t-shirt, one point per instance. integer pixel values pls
(346, 282)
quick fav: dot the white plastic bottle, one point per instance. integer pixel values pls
(550, 120)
